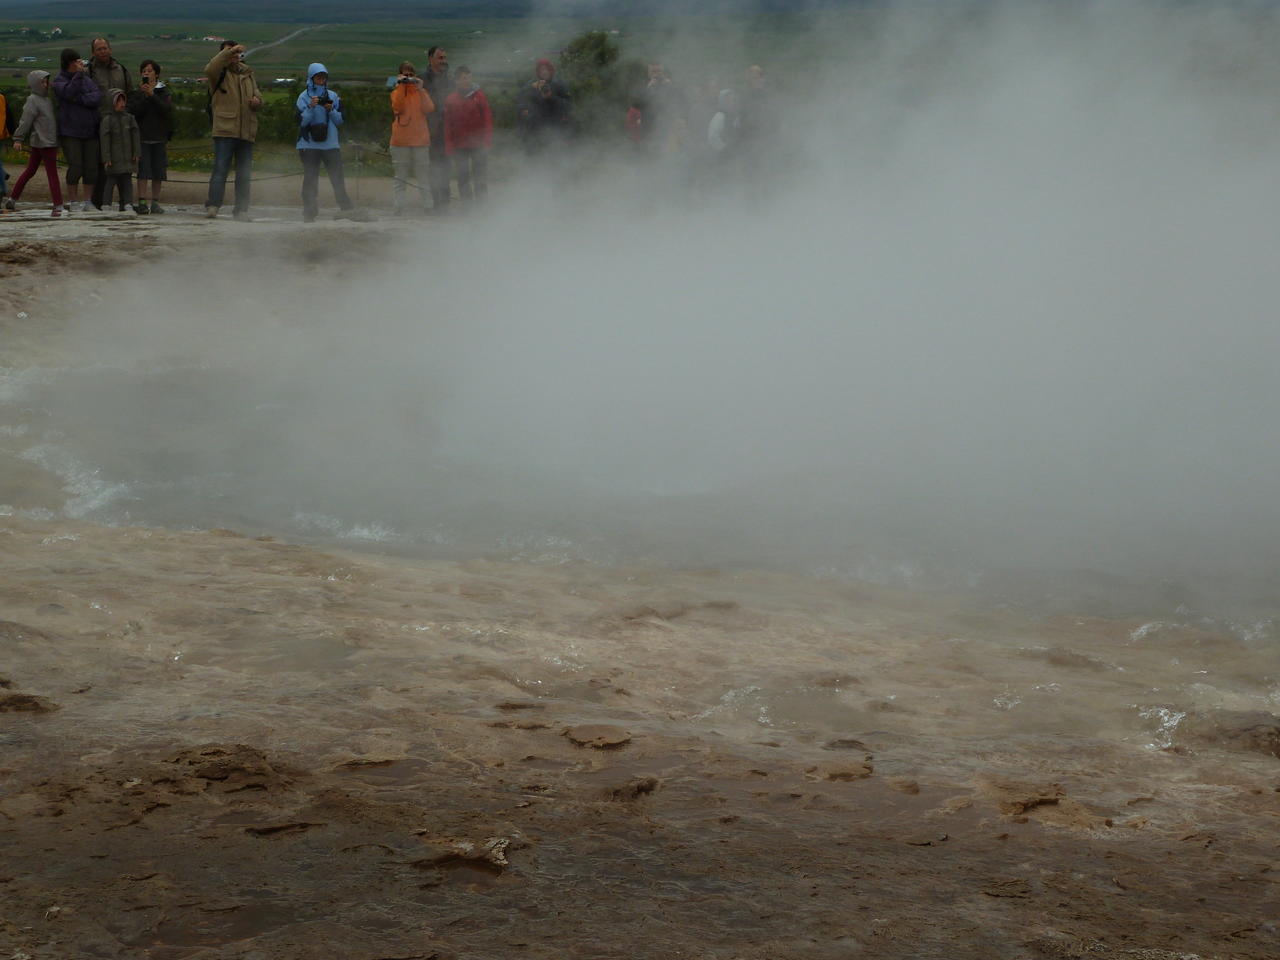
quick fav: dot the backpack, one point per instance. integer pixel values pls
(315, 132)
(208, 102)
(5, 132)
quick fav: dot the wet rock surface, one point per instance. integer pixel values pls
(1248, 731)
(224, 780)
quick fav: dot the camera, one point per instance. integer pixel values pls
(405, 80)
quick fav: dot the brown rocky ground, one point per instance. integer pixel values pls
(220, 746)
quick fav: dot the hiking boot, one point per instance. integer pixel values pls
(156, 208)
(242, 216)
(142, 208)
(9, 204)
(210, 212)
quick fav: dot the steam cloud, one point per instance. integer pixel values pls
(1006, 303)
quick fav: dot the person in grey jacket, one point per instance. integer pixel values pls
(109, 74)
(38, 129)
(121, 147)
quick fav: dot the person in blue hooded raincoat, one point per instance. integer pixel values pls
(320, 116)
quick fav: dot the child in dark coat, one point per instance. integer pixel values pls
(121, 145)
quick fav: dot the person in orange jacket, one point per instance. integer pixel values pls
(410, 138)
(468, 135)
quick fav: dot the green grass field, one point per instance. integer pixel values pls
(353, 52)
(369, 52)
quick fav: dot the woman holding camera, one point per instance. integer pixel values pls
(411, 105)
(320, 116)
(78, 98)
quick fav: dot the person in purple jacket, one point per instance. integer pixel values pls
(77, 97)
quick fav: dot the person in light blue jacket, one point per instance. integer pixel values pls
(320, 116)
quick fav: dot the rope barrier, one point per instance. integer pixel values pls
(359, 148)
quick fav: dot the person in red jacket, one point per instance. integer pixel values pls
(468, 135)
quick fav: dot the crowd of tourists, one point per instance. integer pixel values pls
(111, 127)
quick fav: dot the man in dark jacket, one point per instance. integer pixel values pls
(107, 73)
(78, 99)
(438, 88)
(152, 106)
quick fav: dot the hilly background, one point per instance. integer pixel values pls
(312, 11)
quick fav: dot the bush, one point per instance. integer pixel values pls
(599, 82)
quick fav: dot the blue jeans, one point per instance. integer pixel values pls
(224, 150)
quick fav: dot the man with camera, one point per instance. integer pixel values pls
(234, 102)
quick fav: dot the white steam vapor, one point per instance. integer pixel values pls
(1005, 301)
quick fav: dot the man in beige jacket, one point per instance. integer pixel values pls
(234, 101)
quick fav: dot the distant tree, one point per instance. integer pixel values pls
(599, 81)
(585, 63)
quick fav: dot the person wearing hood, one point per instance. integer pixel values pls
(234, 101)
(411, 107)
(38, 128)
(723, 130)
(77, 98)
(468, 135)
(542, 109)
(121, 146)
(107, 73)
(438, 87)
(320, 116)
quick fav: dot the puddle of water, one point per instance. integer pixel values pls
(214, 927)
(399, 772)
(811, 709)
(534, 762)
(280, 653)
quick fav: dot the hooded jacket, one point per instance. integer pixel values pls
(558, 89)
(468, 121)
(411, 106)
(38, 126)
(113, 76)
(319, 114)
(154, 114)
(78, 100)
(722, 132)
(121, 142)
(232, 115)
(541, 118)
